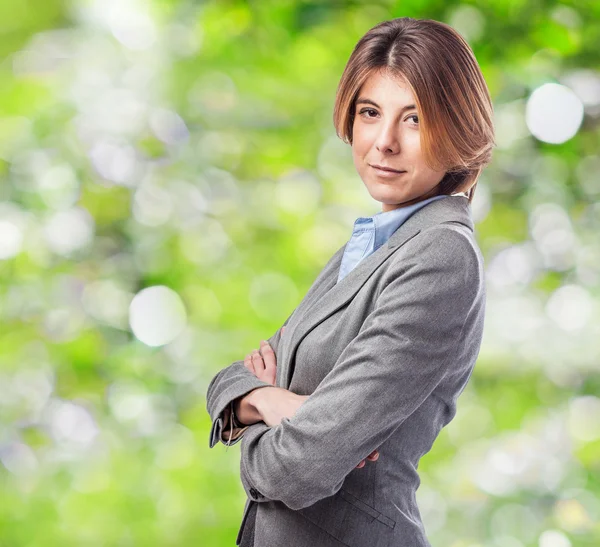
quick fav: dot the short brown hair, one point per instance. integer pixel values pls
(452, 98)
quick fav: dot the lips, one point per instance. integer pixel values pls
(387, 169)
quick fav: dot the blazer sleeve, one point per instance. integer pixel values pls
(236, 380)
(230, 383)
(405, 347)
(232, 428)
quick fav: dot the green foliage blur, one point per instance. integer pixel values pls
(187, 147)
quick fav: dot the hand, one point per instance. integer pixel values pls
(263, 363)
(275, 403)
(373, 456)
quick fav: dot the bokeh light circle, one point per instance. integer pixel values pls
(157, 315)
(554, 113)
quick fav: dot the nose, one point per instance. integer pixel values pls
(387, 141)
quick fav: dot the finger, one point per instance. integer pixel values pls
(374, 456)
(257, 361)
(269, 357)
(248, 363)
(360, 465)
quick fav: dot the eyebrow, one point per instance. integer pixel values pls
(369, 101)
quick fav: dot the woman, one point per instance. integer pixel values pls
(374, 358)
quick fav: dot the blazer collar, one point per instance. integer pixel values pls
(326, 296)
(451, 209)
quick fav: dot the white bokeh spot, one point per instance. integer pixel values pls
(157, 315)
(554, 113)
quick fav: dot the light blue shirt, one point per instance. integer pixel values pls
(370, 233)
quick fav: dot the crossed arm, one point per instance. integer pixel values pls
(263, 364)
(229, 384)
(416, 334)
(404, 348)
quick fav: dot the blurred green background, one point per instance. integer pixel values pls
(171, 184)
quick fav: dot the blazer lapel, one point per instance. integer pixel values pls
(335, 297)
(328, 296)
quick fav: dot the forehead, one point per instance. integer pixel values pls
(386, 90)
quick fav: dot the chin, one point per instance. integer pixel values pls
(385, 193)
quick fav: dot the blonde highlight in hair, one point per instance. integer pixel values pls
(451, 95)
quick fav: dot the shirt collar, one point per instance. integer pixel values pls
(387, 223)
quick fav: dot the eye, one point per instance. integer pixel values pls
(413, 116)
(364, 110)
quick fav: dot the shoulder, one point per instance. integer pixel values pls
(450, 244)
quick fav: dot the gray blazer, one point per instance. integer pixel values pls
(384, 355)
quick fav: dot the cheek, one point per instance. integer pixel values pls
(357, 159)
(358, 147)
(428, 176)
(412, 148)
(361, 138)
(418, 161)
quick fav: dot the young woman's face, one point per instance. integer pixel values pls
(386, 133)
